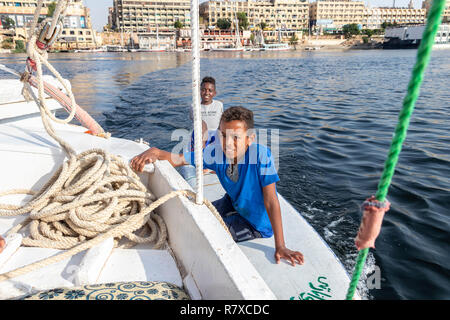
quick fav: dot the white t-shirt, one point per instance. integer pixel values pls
(210, 113)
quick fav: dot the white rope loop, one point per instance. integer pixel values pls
(40, 57)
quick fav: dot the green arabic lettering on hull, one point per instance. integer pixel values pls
(320, 291)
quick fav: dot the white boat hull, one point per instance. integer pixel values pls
(227, 49)
(440, 46)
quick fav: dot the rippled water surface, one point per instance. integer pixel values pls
(335, 112)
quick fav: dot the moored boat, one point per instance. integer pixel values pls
(276, 47)
(409, 37)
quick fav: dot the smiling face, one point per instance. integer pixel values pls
(207, 92)
(235, 139)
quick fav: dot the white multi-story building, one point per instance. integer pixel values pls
(374, 17)
(77, 32)
(334, 14)
(275, 14)
(146, 15)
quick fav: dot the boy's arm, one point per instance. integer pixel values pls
(153, 154)
(273, 209)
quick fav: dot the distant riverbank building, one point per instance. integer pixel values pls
(446, 15)
(77, 32)
(275, 14)
(332, 15)
(140, 16)
(374, 17)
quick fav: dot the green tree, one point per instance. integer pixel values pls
(368, 32)
(20, 46)
(350, 30)
(8, 43)
(223, 24)
(263, 25)
(243, 20)
(252, 38)
(8, 23)
(386, 24)
(51, 9)
(293, 39)
(178, 25)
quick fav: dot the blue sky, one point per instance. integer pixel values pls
(99, 8)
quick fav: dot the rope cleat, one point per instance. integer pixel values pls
(47, 37)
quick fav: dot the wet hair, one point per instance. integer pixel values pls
(238, 113)
(209, 80)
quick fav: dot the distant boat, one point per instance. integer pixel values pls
(155, 49)
(227, 49)
(115, 48)
(409, 37)
(101, 49)
(276, 47)
(237, 47)
(279, 46)
(312, 48)
(253, 49)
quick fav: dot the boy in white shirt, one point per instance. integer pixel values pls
(211, 112)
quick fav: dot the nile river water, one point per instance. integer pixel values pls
(335, 112)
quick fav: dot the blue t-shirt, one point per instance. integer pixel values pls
(256, 170)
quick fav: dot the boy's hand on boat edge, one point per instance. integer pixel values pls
(289, 255)
(149, 156)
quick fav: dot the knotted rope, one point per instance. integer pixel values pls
(423, 57)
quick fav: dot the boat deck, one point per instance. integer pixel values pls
(321, 277)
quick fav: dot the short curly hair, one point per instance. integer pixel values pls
(238, 113)
(209, 80)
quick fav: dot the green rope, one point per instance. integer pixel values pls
(423, 57)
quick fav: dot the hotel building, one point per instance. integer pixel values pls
(140, 16)
(77, 32)
(276, 14)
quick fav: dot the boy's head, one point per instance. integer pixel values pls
(235, 131)
(208, 90)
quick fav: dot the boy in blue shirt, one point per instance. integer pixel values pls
(250, 207)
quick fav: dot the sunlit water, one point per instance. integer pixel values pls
(335, 112)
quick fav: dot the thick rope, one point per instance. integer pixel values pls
(130, 225)
(89, 194)
(423, 57)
